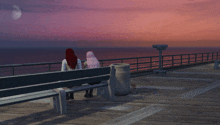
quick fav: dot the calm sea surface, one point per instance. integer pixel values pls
(36, 55)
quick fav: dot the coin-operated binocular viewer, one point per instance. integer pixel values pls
(160, 48)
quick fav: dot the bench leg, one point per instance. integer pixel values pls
(54, 101)
(216, 66)
(59, 102)
(100, 90)
(108, 92)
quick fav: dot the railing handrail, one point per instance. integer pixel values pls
(103, 61)
(46, 63)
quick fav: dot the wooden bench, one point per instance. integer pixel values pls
(217, 62)
(50, 84)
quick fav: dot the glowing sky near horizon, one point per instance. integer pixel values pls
(116, 22)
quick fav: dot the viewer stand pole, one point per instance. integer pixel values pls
(160, 48)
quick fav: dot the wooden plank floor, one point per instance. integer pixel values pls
(182, 97)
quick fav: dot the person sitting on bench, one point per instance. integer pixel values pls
(70, 63)
(92, 62)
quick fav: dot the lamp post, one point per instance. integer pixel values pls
(160, 48)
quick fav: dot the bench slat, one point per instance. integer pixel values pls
(51, 85)
(31, 79)
(44, 94)
(27, 97)
(85, 87)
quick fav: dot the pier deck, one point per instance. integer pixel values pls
(183, 96)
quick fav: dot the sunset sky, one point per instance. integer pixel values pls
(111, 23)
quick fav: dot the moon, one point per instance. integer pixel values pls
(16, 13)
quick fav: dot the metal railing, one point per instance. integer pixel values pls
(148, 64)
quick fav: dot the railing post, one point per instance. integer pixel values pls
(160, 56)
(181, 56)
(121, 60)
(101, 63)
(207, 56)
(172, 60)
(162, 62)
(150, 62)
(49, 66)
(13, 70)
(202, 57)
(137, 64)
(195, 57)
(188, 59)
(212, 56)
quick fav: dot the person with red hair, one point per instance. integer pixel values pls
(71, 62)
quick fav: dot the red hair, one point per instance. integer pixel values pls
(71, 58)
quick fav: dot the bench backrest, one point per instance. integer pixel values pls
(20, 84)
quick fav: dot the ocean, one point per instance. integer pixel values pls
(36, 55)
